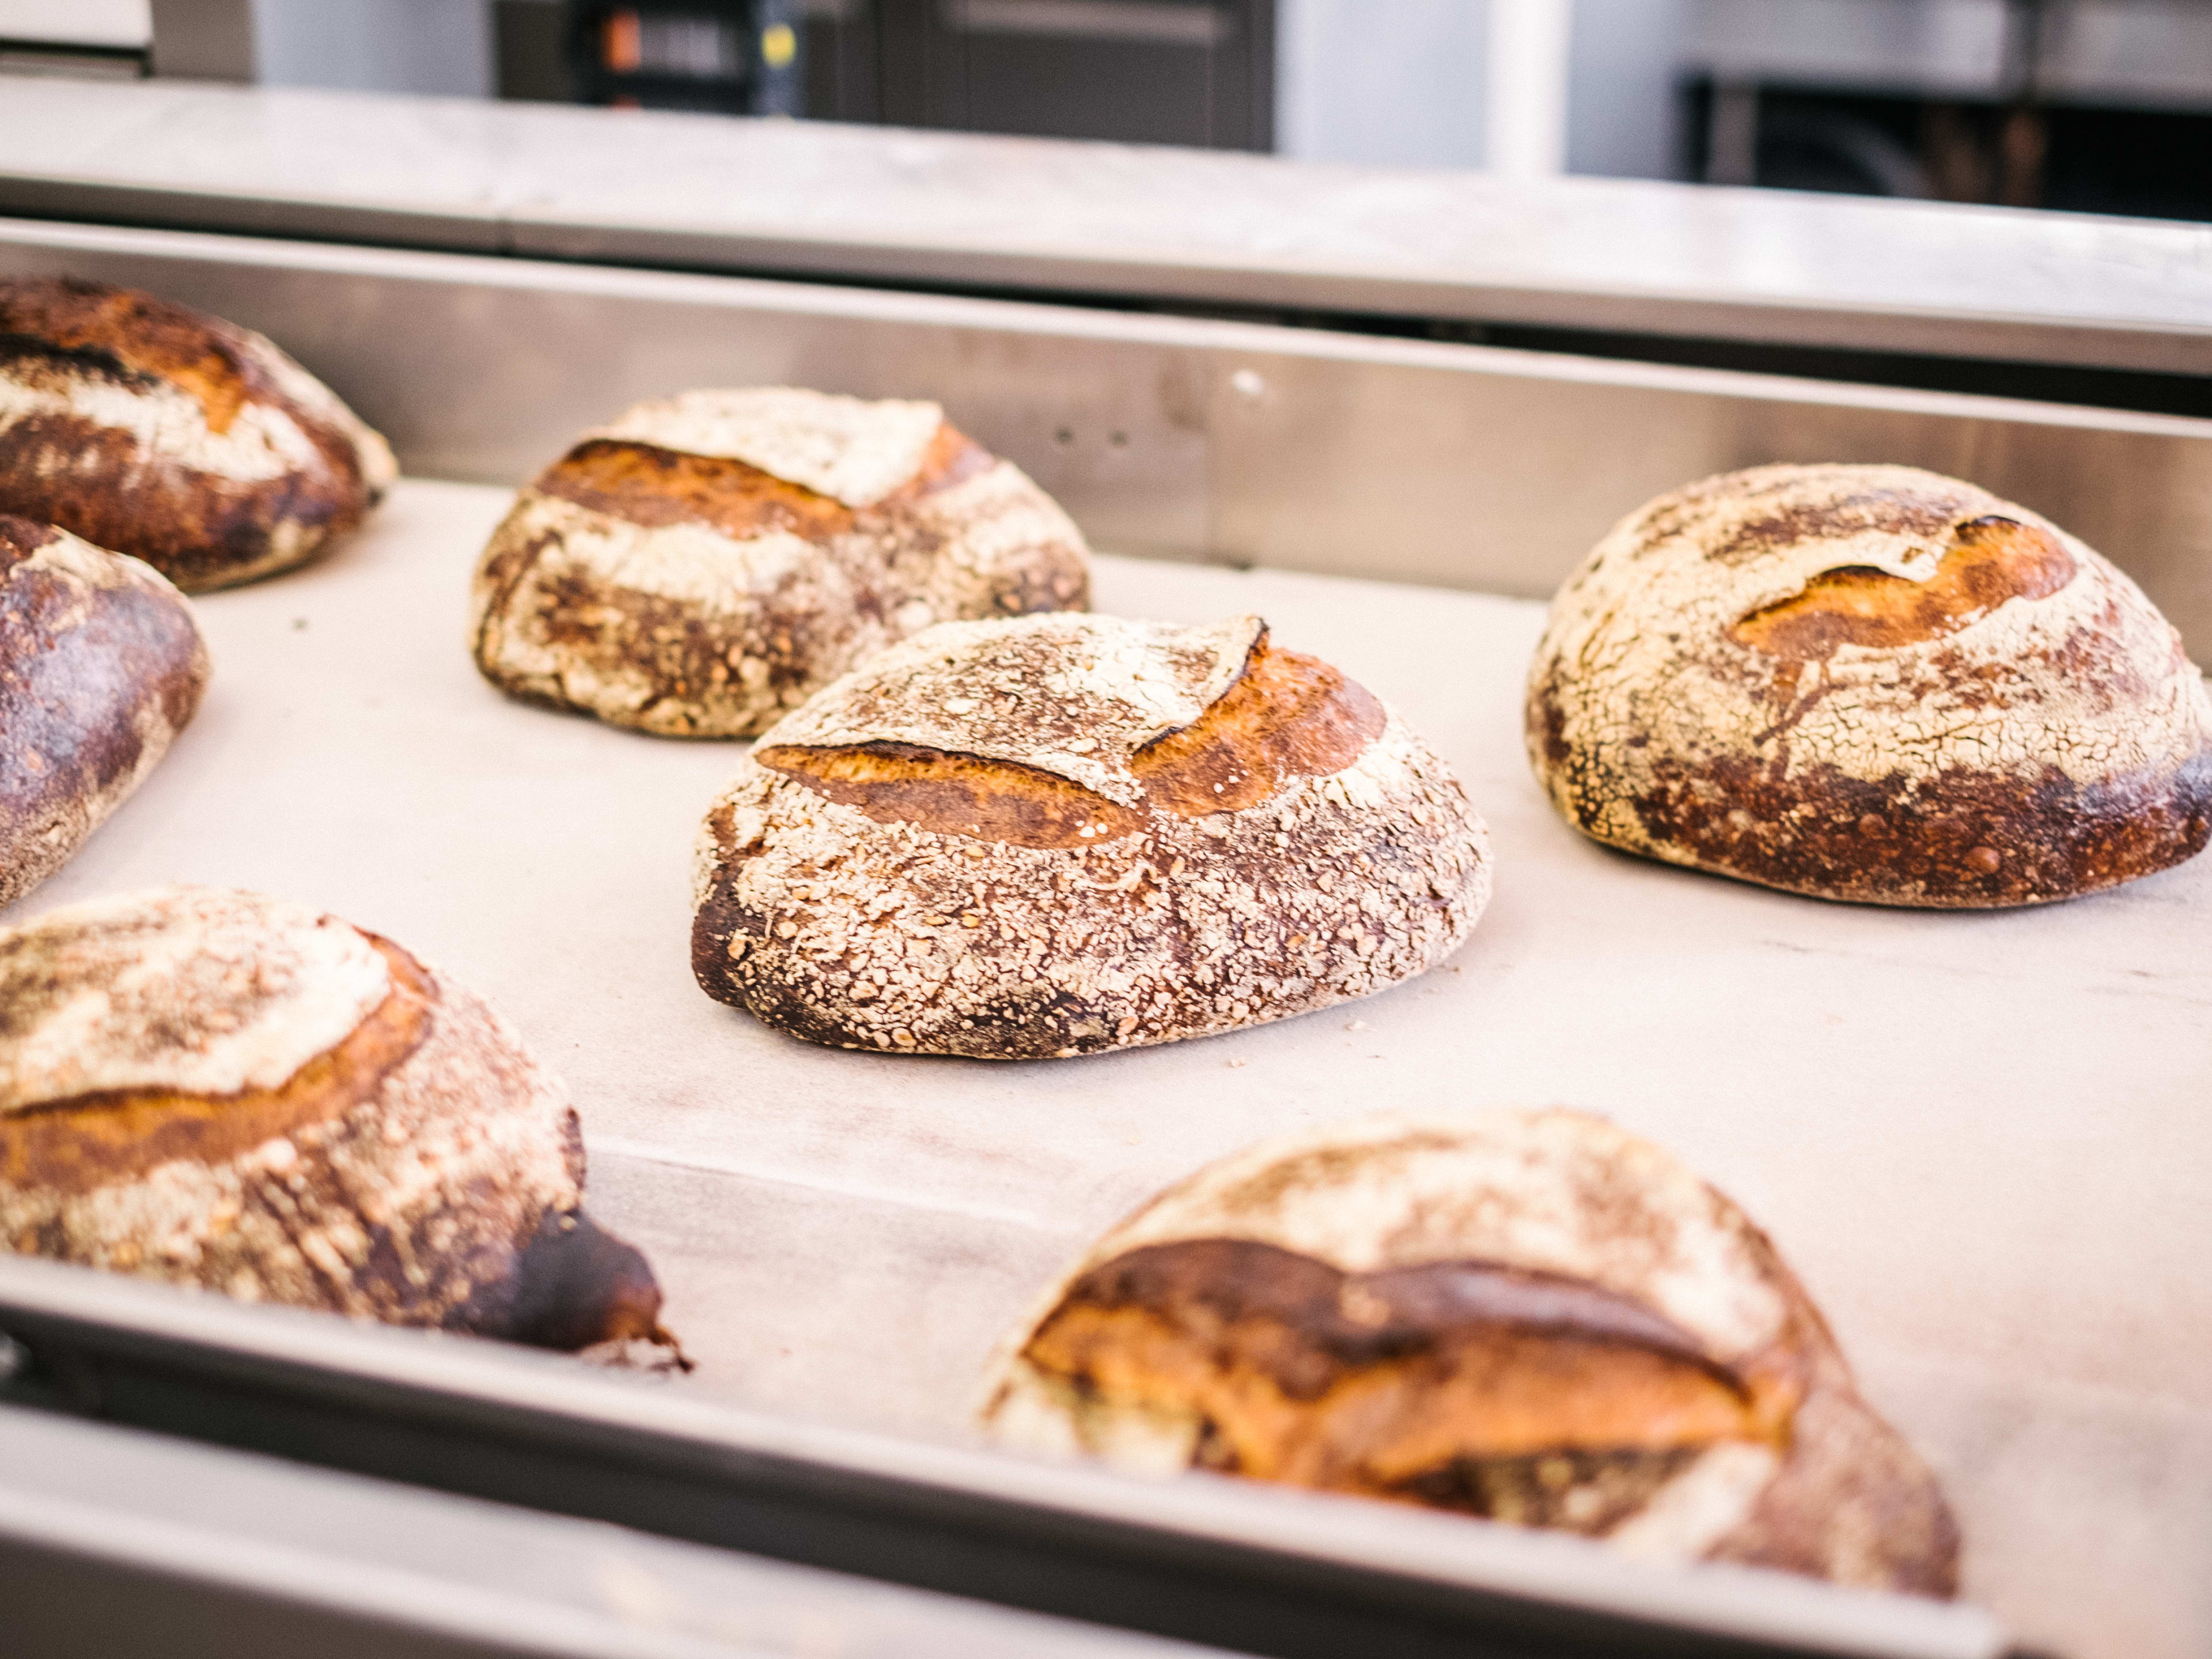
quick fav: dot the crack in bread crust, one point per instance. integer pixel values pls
(1377, 1382)
(697, 595)
(893, 895)
(1286, 715)
(1874, 684)
(75, 1145)
(175, 437)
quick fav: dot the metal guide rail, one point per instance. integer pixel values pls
(1253, 1570)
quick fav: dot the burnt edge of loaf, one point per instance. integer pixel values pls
(574, 1285)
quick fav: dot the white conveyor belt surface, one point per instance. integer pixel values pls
(1983, 1140)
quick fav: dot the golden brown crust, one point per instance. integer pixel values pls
(1279, 842)
(421, 1171)
(1374, 1382)
(1382, 1308)
(692, 594)
(1870, 683)
(75, 1145)
(151, 429)
(102, 664)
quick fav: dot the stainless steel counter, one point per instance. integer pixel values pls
(1098, 219)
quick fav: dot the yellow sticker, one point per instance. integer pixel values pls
(779, 46)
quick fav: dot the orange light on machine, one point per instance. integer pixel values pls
(621, 42)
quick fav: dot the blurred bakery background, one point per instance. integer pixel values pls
(2094, 105)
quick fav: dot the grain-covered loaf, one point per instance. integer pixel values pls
(154, 429)
(706, 562)
(224, 1090)
(1056, 835)
(102, 664)
(1875, 683)
(1528, 1316)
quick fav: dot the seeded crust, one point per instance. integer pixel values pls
(1872, 683)
(102, 664)
(1061, 834)
(154, 429)
(390, 1153)
(687, 572)
(1532, 1317)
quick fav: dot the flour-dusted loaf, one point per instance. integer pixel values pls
(225, 1089)
(1870, 683)
(102, 664)
(160, 432)
(1057, 834)
(1530, 1316)
(709, 561)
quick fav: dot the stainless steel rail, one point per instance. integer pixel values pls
(1150, 225)
(1262, 1571)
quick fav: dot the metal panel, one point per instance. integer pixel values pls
(1460, 465)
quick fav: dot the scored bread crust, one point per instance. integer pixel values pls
(222, 1089)
(1870, 683)
(966, 846)
(704, 563)
(102, 664)
(163, 433)
(1589, 1233)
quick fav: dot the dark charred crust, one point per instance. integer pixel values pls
(1584, 1491)
(90, 1141)
(81, 668)
(199, 529)
(573, 1285)
(1960, 839)
(1342, 1321)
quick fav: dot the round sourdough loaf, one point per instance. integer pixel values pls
(102, 664)
(1532, 1317)
(708, 562)
(1870, 683)
(224, 1090)
(1057, 834)
(173, 436)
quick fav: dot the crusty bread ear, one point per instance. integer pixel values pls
(1059, 834)
(102, 664)
(1526, 1316)
(232, 461)
(222, 1090)
(1873, 684)
(703, 563)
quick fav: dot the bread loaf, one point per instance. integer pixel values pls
(1870, 683)
(223, 1090)
(151, 429)
(102, 664)
(1057, 834)
(1532, 1317)
(708, 562)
